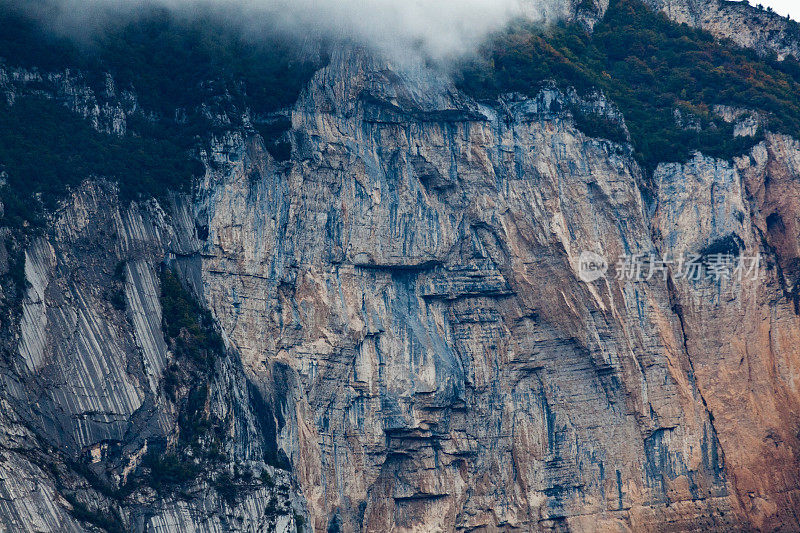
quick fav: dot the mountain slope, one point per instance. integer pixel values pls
(384, 325)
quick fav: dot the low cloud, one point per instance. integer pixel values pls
(434, 29)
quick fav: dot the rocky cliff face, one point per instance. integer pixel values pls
(415, 282)
(407, 332)
(85, 397)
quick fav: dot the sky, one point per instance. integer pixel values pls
(783, 7)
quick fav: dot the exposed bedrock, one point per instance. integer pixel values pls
(404, 324)
(411, 277)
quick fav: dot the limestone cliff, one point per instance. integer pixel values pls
(408, 343)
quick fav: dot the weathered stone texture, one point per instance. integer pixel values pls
(401, 301)
(412, 280)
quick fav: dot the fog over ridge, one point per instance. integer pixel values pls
(435, 29)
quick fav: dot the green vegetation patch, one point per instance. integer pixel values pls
(45, 148)
(189, 328)
(191, 334)
(649, 66)
(178, 68)
(169, 61)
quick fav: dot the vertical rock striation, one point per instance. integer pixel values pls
(86, 397)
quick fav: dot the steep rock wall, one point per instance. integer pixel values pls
(404, 292)
(410, 275)
(85, 396)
